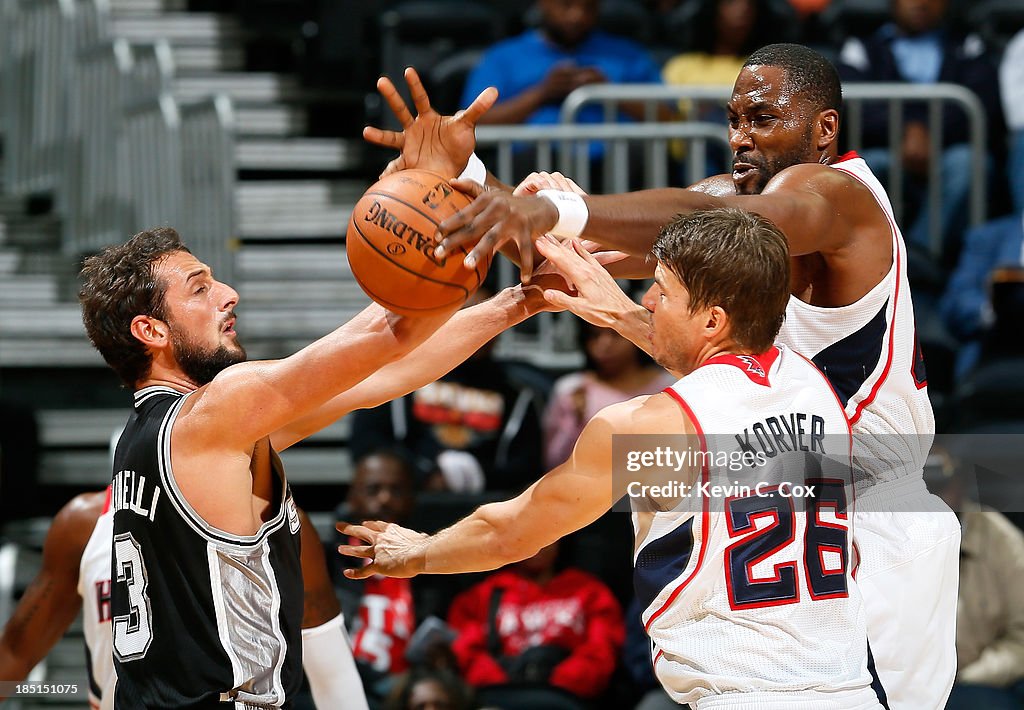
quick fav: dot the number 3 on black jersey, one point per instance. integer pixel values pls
(133, 632)
(826, 576)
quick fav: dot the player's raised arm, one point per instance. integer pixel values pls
(251, 400)
(799, 200)
(430, 141)
(562, 501)
(466, 332)
(51, 601)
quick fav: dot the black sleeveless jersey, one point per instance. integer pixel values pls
(201, 618)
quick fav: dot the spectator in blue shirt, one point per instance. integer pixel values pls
(965, 307)
(536, 70)
(918, 47)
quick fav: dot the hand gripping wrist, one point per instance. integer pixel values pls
(572, 213)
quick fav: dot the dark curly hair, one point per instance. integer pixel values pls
(120, 283)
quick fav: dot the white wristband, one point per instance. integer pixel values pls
(572, 213)
(475, 170)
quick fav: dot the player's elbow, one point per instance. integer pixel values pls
(514, 549)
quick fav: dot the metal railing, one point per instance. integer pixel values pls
(855, 96)
(39, 43)
(108, 80)
(181, 170)
(96, 207)
(564, 148)
(208, 169)
(153, 159)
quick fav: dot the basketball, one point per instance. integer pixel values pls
(390, 244)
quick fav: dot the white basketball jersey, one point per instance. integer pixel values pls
(869, 352)
(751, 592)
(94, 588)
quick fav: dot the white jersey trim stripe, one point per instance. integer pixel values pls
(897, 256)
(187, 512)
(217, 592)
(147, 392)
(705, 517)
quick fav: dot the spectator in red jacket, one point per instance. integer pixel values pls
(532, 624)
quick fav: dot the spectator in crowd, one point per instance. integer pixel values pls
(919, 47)
(533, 623)
(477, 427)
(1011, 86)
(616, 370)
(379, 611)
(536, 70)
(966, 305)
(422, 689)
(723, 35)
(990, 610)
(806, 8)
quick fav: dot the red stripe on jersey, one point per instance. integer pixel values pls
(895, 302)
(705, 519)
(106, 503)
(755, 367)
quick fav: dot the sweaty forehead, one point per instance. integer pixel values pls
(178, 266)
(761, 84)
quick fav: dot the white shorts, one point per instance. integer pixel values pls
(908, 544)
(863, 699)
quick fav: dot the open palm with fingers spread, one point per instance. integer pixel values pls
(429, 141)
(392, 550)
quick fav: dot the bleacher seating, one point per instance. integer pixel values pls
(298, 170)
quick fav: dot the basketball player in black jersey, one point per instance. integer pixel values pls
(68, 580)
(207, 597)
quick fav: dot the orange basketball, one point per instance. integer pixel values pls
(390, 245)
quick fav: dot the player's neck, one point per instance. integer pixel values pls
(159, 377)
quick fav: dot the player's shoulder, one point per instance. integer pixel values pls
(835, 185)
(85, 507)
(805, 175)
(646, 414)
(74, 523)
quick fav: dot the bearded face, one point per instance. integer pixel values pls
(202, 363)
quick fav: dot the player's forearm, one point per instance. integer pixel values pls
(453, 343)
(261, 398)
(635, 326)
(632, 222)
(486, 540)
(15, 663)
(445, 349)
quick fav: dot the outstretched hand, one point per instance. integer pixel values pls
(594, 296)
(393, 551)
(429, 141)
(494, 218)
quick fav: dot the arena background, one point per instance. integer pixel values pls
(238, 122)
